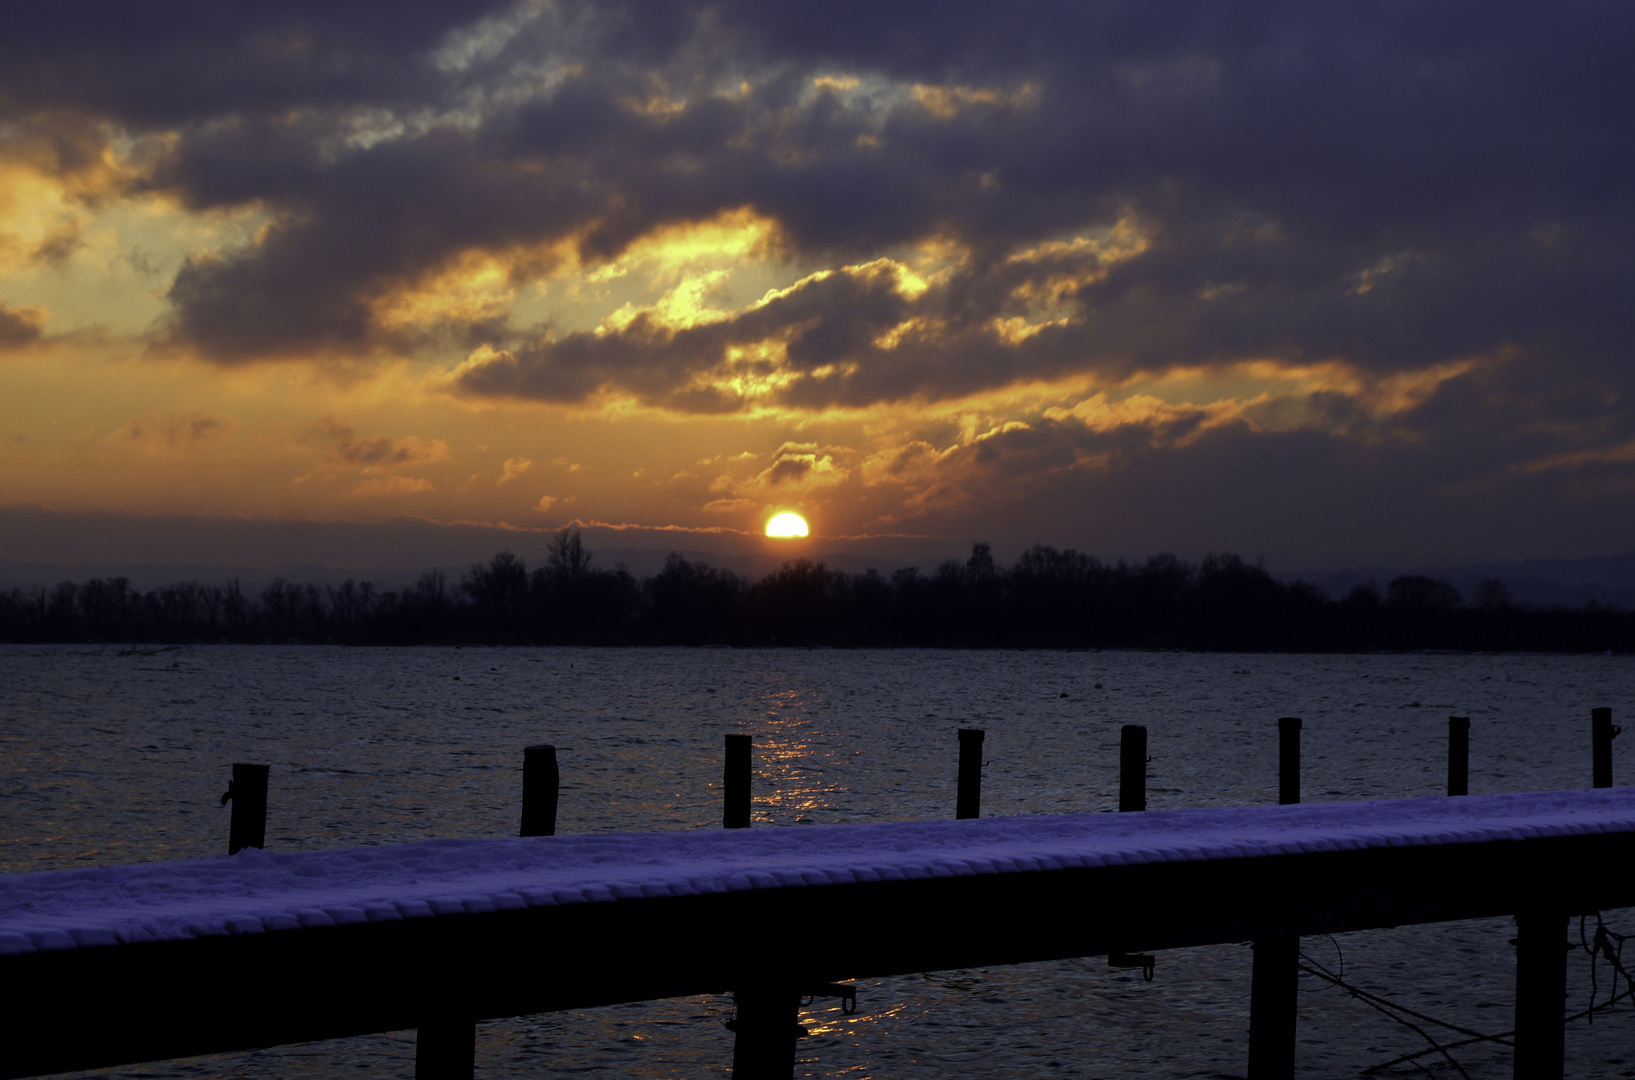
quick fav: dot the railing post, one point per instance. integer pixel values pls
(1132, 768)
(1458, 755)
(1541, 991)
(1274, 979)
(1601, 735)
(968, 801)
(248, 793)
(1274, 984)
(445, 1049)
(540, 783)
(765, 1031)
(735, 782)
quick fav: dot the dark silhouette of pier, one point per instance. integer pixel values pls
(1119, 886)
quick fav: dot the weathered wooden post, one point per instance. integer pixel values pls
(1132, 768)
(540, 783)
(247, 791)
(765, 1031)
(1458, 755)
(735, 782)
(1601, 735)
(1274, 979)
(1288, 760)
(968, 801)
(1541, 990)
(445, 1049)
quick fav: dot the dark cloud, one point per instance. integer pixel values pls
(20, 326)
(1392, 186)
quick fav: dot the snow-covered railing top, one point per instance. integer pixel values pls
(258, 891)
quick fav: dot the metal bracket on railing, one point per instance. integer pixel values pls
(808, 994)
(846, 992)
(1147, 964)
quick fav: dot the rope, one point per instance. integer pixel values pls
(1597, 946)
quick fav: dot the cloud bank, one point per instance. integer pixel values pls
(1398, 238)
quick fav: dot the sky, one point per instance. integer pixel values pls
(1321, 282)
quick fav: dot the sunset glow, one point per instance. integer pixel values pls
(514, 269)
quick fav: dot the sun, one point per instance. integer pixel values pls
(786, 525)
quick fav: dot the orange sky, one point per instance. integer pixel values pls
(766, 279)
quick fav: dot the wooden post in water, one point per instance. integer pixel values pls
(540, 783)
(765, 1032)
(1274, 980)
(1132, 768)
(445, 1049)
(968, 801)
(735, 782)
(1458, 755)
(1288, 760)
(1541, 991)
(248, 793)
(1601, 735)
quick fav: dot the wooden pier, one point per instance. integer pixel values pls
(261, 948)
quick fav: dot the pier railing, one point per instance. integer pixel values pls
(580, 926)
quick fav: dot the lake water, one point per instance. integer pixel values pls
(113, 756)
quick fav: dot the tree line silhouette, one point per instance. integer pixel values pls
(1046, 599)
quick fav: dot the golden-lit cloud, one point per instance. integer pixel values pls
(930, 276)
(948, 102)
(513, 468)
(392, 485)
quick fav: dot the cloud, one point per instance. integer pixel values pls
(20, 326)
(546, 502)
(513, 468)
(1029, 244)
(174, 434)
(346, 452)
(379, 459)
(392, 485)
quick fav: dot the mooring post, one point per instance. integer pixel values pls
(1541, 991)
(1274, 979)
(540, 782)
(445, 1049)
(968, 802)
(735, 806)
(1458, 755)
(1288, 760)
(1601, 734)
(247, 791)
(1132, 768)
(765, 1031)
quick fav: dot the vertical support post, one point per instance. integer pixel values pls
(1132, 768)
(1274, 980)
(1274, 983)
(735, 781)
(1601, 735)
(248, 792)
(1541, 990)
(765, 1032)
(1458, 755)
(1288, 760)
(540, 783)
(968, 802)
(445, 1049)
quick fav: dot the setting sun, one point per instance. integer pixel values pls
(786, 525)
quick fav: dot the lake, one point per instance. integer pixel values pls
(120, 755)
